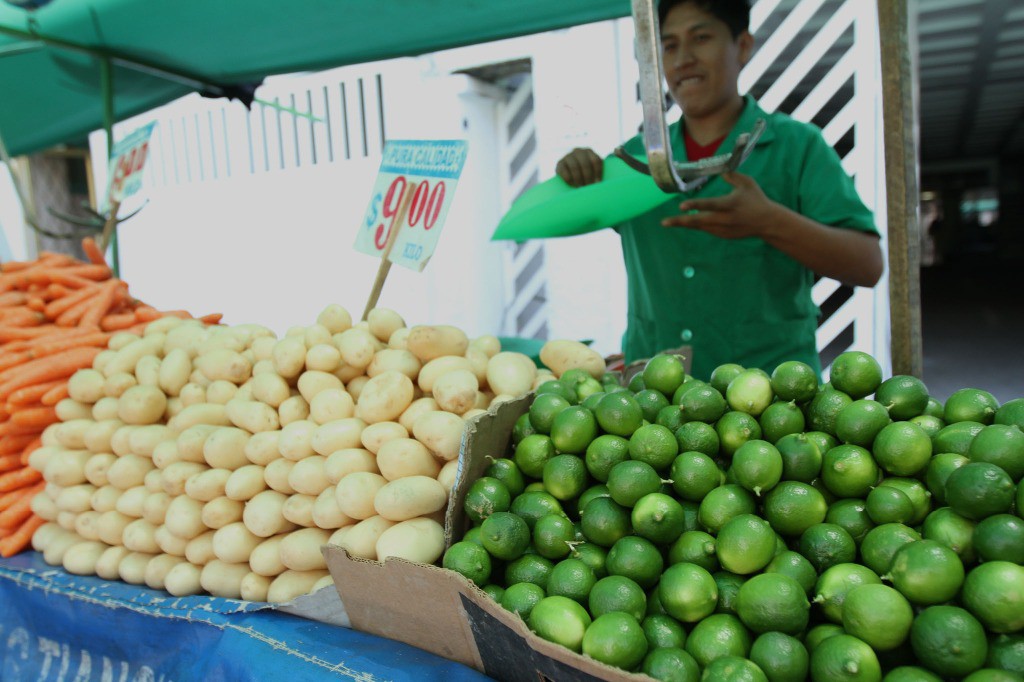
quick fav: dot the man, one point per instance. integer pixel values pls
(728, 270)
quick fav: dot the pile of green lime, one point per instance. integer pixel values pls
(761, 527)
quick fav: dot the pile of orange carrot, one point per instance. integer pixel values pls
(56, 314)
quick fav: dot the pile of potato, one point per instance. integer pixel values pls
(221, 459)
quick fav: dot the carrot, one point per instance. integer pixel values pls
(212, 318)
(14, 359)
(101, 303)
(117, 321)
(21, 478)
(55, 308)
(7, 499)
(31, 394)
(56, 394)
(15, 444)
(71, 316)
(10, 462)
(12, 298)
(16, 514)
(54, 259)
(40, 417)
(19, 539)
(21, 317)
(11, 333)
(70, 341)
(9, 428)
(93, 252)
(95, 271)
(48, 369)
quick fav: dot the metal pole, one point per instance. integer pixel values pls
(902, 196)
(107, 92)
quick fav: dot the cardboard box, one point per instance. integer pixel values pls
(441, 611)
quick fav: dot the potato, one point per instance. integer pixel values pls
(420, 540)
(147, 371)
(121, 441)
(489, 345)
(391, 359)
(224, 448)
(104, 409)
(132, 501)
(326, 512)
(562, 355)
(375, 435)
(308, 476)
(192, 394)
(356, 385)
(133, 567)
(438, 367)
(265, 559)
(264, 515)
(254, 587)
(300, 551)
(220, 339)
(154, 507)
(296, 441)
(222, 511)
(46, 509)
(441, 432)
(129, 471)
(338, 435)
(292, 584)
(129, 356)
(187, 337)
(384, 397)
(105, 499)
(199, 550)
(456, 391)
(331, 405)
(429, 342)
(263, 348)
(473, 413)
(102, 360)
(174, 407)
(406, 457)
(185, 517)
(202, 413)
(143, 440)
(66, 520)
(312, 383)
(117, 384)
(86, 386)
(245, 483)
(299, 510)
(399, 339)
(323, 357)
(339, 535)
(262, 448)
(67, 467)
(335, 318)
(289, 357)
(223, 364)
(415, 409)
(356, 492)
(154, 481)
(357, 347)
(109, 561)
(253, 416)
(478, 361)
(170, 544)
(111, 525)
(183, 580)
(262, 367)
(96, 468)
(174, 372)
(292, 410)
(71, 434)
(40, 457)
(158, 568)
(166, 454)
(384, 322)
(511, 373)
(175, 476)
(409, 497)
(207, 485)
(347, 373)
(276, 475)
(361, 539)
(85, 522)
(344, 462)
(221, 391)
(234, 543)
(139, 536)
(270, 388)
(223, 580)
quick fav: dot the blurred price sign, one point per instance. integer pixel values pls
(126, 164)
(432, 169)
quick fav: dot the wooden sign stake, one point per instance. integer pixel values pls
(385, 264)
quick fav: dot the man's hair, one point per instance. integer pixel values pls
(735, 13)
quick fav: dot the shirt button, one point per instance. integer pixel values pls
(688, 271)
(686, 335)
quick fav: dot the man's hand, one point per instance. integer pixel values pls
(580, 167)
(744, 212)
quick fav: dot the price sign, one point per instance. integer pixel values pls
(126, 164)
(433, 166)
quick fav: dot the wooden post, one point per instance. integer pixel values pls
(109, 226)
(901, 180)
(385, 264)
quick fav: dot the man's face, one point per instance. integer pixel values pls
(702, 60)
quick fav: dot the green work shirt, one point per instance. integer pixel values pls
(736, 300)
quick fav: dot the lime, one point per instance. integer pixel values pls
(724, 503)
(978, 490)
(535, 487)
(1011, 413)
(591, 493)
(717, 636)
(824, 409)
(636, 384)
(903, 448)
(970, 405)
(544, 409)
(882, 542)
(688, 593)
(591, 401)
(849, 471)
(469, 559)
(819, 633)
(852, 515)
(605, 521)
(723, 375)
(473, 535)
(575, 376)
(694, 475)
(565, 477)
(931, 425)
(603, 453)
(826, 544)
(651, 403)
(910, 673)
(658, 518)
(695, 547)
(532, 505)
(886, 504)
(994, 593)
(733, 669)
(801, 458)
(729, 585)
(671, 664)
(664, 373)
(532, 453)
(592, 555)
(1001, 445)
(637, 559)
(687, 386)
(992, 675)
(1006, 652)
(671, 417)
(588, 387)
(859, 422)
(949, 640)
(844, 657)
(938, 471)
(486, 496)
(934, 408)
(558, 388)
(750, 392)
(835, 583)
(552, 535)
(654, 444)
(877, 614)
(495, 592)
(781, 657)
(521, 598)
(506, 471)
(855, 373)
(619, 414)
(926, 572)
(773, 602)
(903, 396)
(952, 530)
(757, 466)
(560, 620)
(698, 437)
(824, 441)
(781, 419)
(1000, 538)
(915, 490)
(734, 429)
(617, 593)
(794, 380)
(745, 544)
(702, 403)
(796, 566)
(630, 480)
(522, 429)
(571, 578)
(793, 507)
(616, 639)
(529, 568)
(505, 535)
(663, 631)
(956, 437)
(573, 429)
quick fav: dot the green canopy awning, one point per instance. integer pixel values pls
(50, 58)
